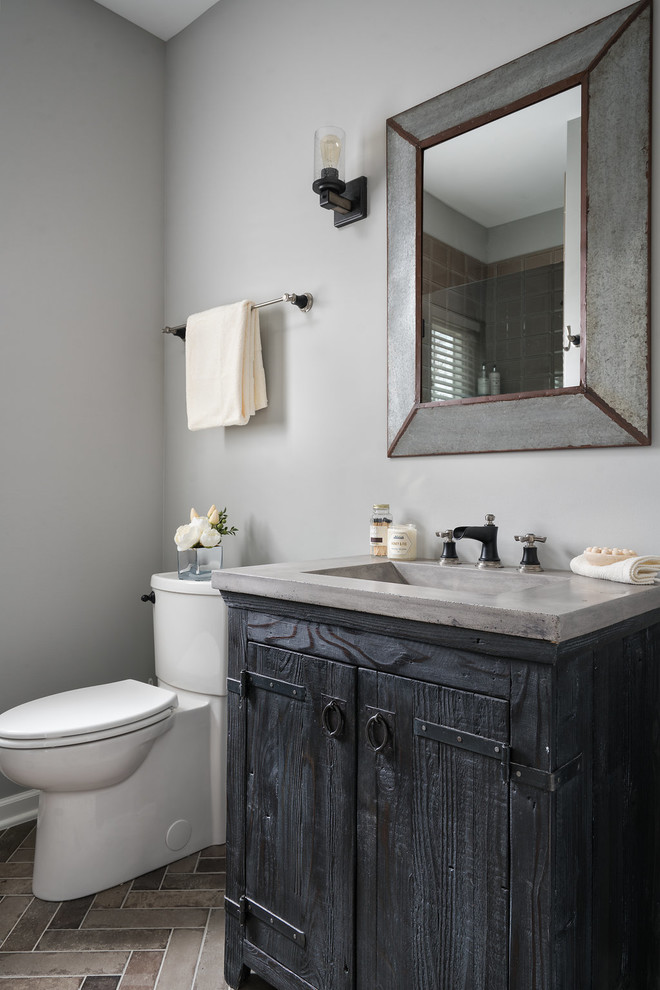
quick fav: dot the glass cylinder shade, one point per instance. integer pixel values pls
(329, 145)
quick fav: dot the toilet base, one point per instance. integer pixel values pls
(88, 841)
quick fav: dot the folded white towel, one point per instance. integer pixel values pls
(225, 381)
(631, 570)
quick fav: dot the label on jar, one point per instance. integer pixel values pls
(378, 539)
(402, 542)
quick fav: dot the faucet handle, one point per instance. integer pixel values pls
(530, 558)
(490, 519)
(529, 539)
(449, 555)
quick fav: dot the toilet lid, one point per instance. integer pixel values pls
(91, 709)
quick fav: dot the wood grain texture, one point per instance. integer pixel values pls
(433, 842)
(450, 636)
(626, 809)
(420, 865)
(406, 656)
(299, 830)
(235, 971)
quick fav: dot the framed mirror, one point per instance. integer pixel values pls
(518, 252)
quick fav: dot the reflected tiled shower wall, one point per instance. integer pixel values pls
(519, 302)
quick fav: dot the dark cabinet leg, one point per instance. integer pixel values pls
(235, 972)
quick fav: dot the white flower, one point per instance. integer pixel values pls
(214, 516)
(187, 536)
(210, 537)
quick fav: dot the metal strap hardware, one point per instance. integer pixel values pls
(493, 748)
(249, 679)
(234, 909)
(249, 908)
(547, 780)
(238, 686)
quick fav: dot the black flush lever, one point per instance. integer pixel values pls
(151, 597)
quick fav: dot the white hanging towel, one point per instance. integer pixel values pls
(225, 381)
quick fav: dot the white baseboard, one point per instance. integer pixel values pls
(18, 808)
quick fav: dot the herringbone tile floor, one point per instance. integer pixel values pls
(163, 931)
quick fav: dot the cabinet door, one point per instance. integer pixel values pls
(300, 815)
(433, 869)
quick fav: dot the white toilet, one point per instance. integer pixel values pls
(131, 776)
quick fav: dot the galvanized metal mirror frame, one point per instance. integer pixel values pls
(611, 60)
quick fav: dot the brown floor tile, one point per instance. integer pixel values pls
(91, 939)
(62, 963)
(211, 865)
(11, 839)
(175, 899)
(11, 909)
(41, 983)
(186, 865)
(13, 869)
(21, 886)
(150, 881)
(180, 962)
(24, 854)
(211, 961)
(147, 918)
(142, 971)
(113, 897)
(70, 914)
(162, 931)
(29, 929)
(218, 851)
(194, 881)
(31, 838)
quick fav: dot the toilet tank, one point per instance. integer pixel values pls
(190, 634)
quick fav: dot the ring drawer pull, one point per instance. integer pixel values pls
(332, 719)
(377, 727)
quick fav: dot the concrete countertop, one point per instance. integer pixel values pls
(551, 605)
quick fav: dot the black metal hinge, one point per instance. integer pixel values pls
(544, 779)
(238, 685)
(264, 683)
(246, 908)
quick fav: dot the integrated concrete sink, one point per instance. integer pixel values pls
(489, 582)
(550, 605)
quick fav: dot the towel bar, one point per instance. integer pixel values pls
(304, 302)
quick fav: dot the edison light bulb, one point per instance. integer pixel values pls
(329, 145)
(330, 151)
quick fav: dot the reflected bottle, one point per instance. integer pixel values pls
(483, 385)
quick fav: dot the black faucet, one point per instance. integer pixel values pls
(487, 534)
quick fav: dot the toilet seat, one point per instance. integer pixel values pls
(85, 715)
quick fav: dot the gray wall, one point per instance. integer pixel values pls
(248, 85)
(81, 282)
(81, 295)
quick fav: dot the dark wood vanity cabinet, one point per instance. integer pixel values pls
(417, 806)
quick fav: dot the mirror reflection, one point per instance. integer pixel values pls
(501, 255)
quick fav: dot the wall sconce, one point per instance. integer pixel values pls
(348, 200)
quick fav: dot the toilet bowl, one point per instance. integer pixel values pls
(131, 776)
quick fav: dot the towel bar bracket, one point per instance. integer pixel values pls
(304, 302)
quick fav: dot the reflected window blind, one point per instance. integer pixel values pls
(454, 357)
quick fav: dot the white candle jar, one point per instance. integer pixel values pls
(402, 542)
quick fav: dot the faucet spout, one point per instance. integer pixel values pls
(487, 536)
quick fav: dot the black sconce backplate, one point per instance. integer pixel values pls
(356, 192)
(348, 205)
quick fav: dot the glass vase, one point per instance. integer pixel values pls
(196, 564)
